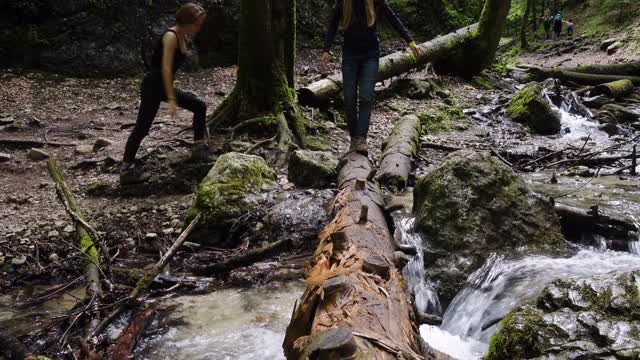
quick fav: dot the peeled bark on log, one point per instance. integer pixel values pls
(614, 90)
(581, 78)
(126, 342)
(398, 154)
(356, 303)
(629, 69)
(576, 221)
(87, 244)
(391, 65)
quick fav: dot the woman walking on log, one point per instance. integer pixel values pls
(158, 85)
(360, 58)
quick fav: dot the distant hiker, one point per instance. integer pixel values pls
(570, 26)
(546, 23)
(158, 85)
(360, 58)
(557, 24)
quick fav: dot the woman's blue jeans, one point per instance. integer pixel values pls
(359, 74)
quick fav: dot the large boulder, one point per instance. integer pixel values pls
(229, 190)
(315, 169)
(473, 205)
(529, 107)
(590, 318)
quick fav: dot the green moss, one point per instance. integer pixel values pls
(88, 247)
(317, 143)
(505, 60)
(481, 82)
(443, 120)
(518, 337)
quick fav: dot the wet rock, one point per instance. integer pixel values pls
(227, 192)
(84, 149)
(150, 236)
(616, 114)
(595, 317)
(101, 143)
(529, 107)
(473, 205)
(37, 155)
(595, 102)
(315, 169)
(610, 129)
(4, 157)
(413, 88)
(68, 229)
(613, 48)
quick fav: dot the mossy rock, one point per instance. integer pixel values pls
(226, 193)
(315, 169)
(475, 203)
(616, 114)
(530, 108)
(590, 318)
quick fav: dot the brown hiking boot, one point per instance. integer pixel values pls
(133, 175)
(203, 153)
(359, 145)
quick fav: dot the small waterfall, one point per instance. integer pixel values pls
(501, 284)
(634, 247)
(426, 299)
(576, 120)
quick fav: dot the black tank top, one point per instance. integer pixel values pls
(156, 59)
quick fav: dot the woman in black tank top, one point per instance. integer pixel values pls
(158, 85)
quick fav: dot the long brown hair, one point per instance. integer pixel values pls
(188, 13)
(347, 11)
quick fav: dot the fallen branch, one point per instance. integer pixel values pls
(126, 342)
(146, 279)
(247, 257)
(87, 244)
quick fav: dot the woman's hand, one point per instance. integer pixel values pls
(324, 60)
(416, 51)
(173, 106)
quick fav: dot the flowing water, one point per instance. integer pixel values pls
(238, 324)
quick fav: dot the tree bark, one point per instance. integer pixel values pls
(87, 243)
(524, 25)
(399, 152)
(534, 9)
(356, 303)
(266, 61)
(582, 78)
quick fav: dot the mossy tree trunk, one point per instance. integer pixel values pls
(265, 80)
(534, 10)
(523, 26)
(471, 54)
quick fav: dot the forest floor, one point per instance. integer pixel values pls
(37, 245)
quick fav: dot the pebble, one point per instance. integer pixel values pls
(58, 223)
(37, 155)
(167, 231)
(54, 258)
(24, 241)
(4, 157)
(84, 149)
(174, 222)
(177, 231)
(151, 236)
(19, 261)
(130, 242)
(101, 143)
(68, 229)
(53, 233)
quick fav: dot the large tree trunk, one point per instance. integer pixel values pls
(523, 26)
(475, 52)
(356, 304)
(266, 61)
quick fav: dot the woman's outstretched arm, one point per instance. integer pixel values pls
(170, 44)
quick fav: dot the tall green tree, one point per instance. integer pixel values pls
(524, 25)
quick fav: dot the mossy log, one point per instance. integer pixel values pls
(398, 154)
(614, 90)
(356, 304)
(577, 77)
(87, 243)
(576, 221)
(628, 69)
(391, 65)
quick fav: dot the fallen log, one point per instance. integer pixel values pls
(541, 74)
(87, 242)
(614, 90)
(399, 151)
(126, 342)
(576, 221)
(356, 304)
(391, 65)
(628, 69)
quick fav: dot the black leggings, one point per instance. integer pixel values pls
(152, 92)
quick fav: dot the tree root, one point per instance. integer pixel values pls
(261, 143)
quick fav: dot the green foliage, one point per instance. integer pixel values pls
(443, 120)
(505, 60)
